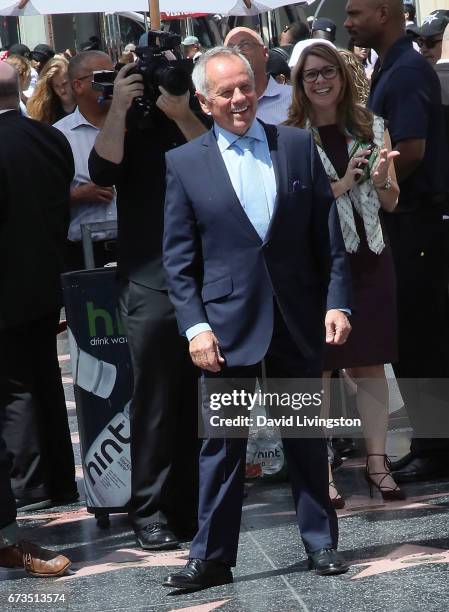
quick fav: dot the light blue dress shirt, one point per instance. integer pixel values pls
(81, 136)
(232, 157)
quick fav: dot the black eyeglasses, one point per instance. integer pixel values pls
(86, 76)
(429, 43)
(328, 73)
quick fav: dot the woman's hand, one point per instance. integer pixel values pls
(353, 173)
(356, 167)
(382, 170)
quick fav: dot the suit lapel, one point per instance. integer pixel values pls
(219, 177)
(280, 166)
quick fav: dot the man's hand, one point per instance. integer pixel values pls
(178, 110)
(205, 352)
(92, 193)
(338, 327)
(175, 107)
(126, 88)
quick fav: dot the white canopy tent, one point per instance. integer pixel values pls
(223, 7)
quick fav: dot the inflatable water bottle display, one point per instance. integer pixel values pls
(103, 382)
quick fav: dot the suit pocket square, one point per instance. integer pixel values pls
(298, 186)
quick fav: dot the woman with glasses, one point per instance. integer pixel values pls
(53, 97)
(356, 153)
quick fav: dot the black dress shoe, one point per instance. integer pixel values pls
(198, 574)
(156, 536)
(29, 505)
(400, 463)
(327, 562)
(343, 446)
(414, 469)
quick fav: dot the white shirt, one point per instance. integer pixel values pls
(82, 135)
(33, 81)
(274, 102)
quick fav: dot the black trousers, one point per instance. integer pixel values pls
(164, 436)
(420, 245)
(33, 412)
(8, 504)
(222, 460)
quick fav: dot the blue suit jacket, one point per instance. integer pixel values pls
(218, 268)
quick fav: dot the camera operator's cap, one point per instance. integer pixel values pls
(130, 47)
(21, 50)
(143, 40)
(325, 25)
(433, 24)
(277, 63)
(190, 40)
(42, 52)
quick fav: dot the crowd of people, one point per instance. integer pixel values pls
(293, 212)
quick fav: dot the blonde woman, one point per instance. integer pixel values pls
(53, 97)
(361, 82)
(355, 149)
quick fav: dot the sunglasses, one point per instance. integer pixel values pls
(429, 43)
(328, 73)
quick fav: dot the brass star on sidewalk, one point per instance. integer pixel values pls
(126, 557)
(403, 557)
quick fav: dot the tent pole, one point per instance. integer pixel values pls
(155, 15)
(320, 6)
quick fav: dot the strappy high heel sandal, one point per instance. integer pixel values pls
(337, 501)
(388, 493)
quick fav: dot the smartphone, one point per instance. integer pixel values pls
(371, 156)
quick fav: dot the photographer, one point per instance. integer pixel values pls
(164, 439)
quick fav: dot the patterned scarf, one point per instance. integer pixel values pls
(362, 196)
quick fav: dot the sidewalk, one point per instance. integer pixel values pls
(399, 553)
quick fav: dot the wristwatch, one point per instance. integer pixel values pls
(387, 185)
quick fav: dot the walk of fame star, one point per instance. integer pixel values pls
(403, 557)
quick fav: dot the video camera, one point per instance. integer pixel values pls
(174, 75)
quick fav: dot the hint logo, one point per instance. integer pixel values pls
(102, 459)
(269, 454)
(110, 325)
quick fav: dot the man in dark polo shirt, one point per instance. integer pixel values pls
(406, 92)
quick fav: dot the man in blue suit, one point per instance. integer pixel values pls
(256, 270)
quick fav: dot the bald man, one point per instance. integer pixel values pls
(406, 92)
(36, 168)
(274, 99)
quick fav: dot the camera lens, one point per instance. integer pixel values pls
(175, 80)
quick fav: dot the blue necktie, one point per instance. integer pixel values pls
(252, 189)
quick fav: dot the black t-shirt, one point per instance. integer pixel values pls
(140, 185)
(406, 92)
